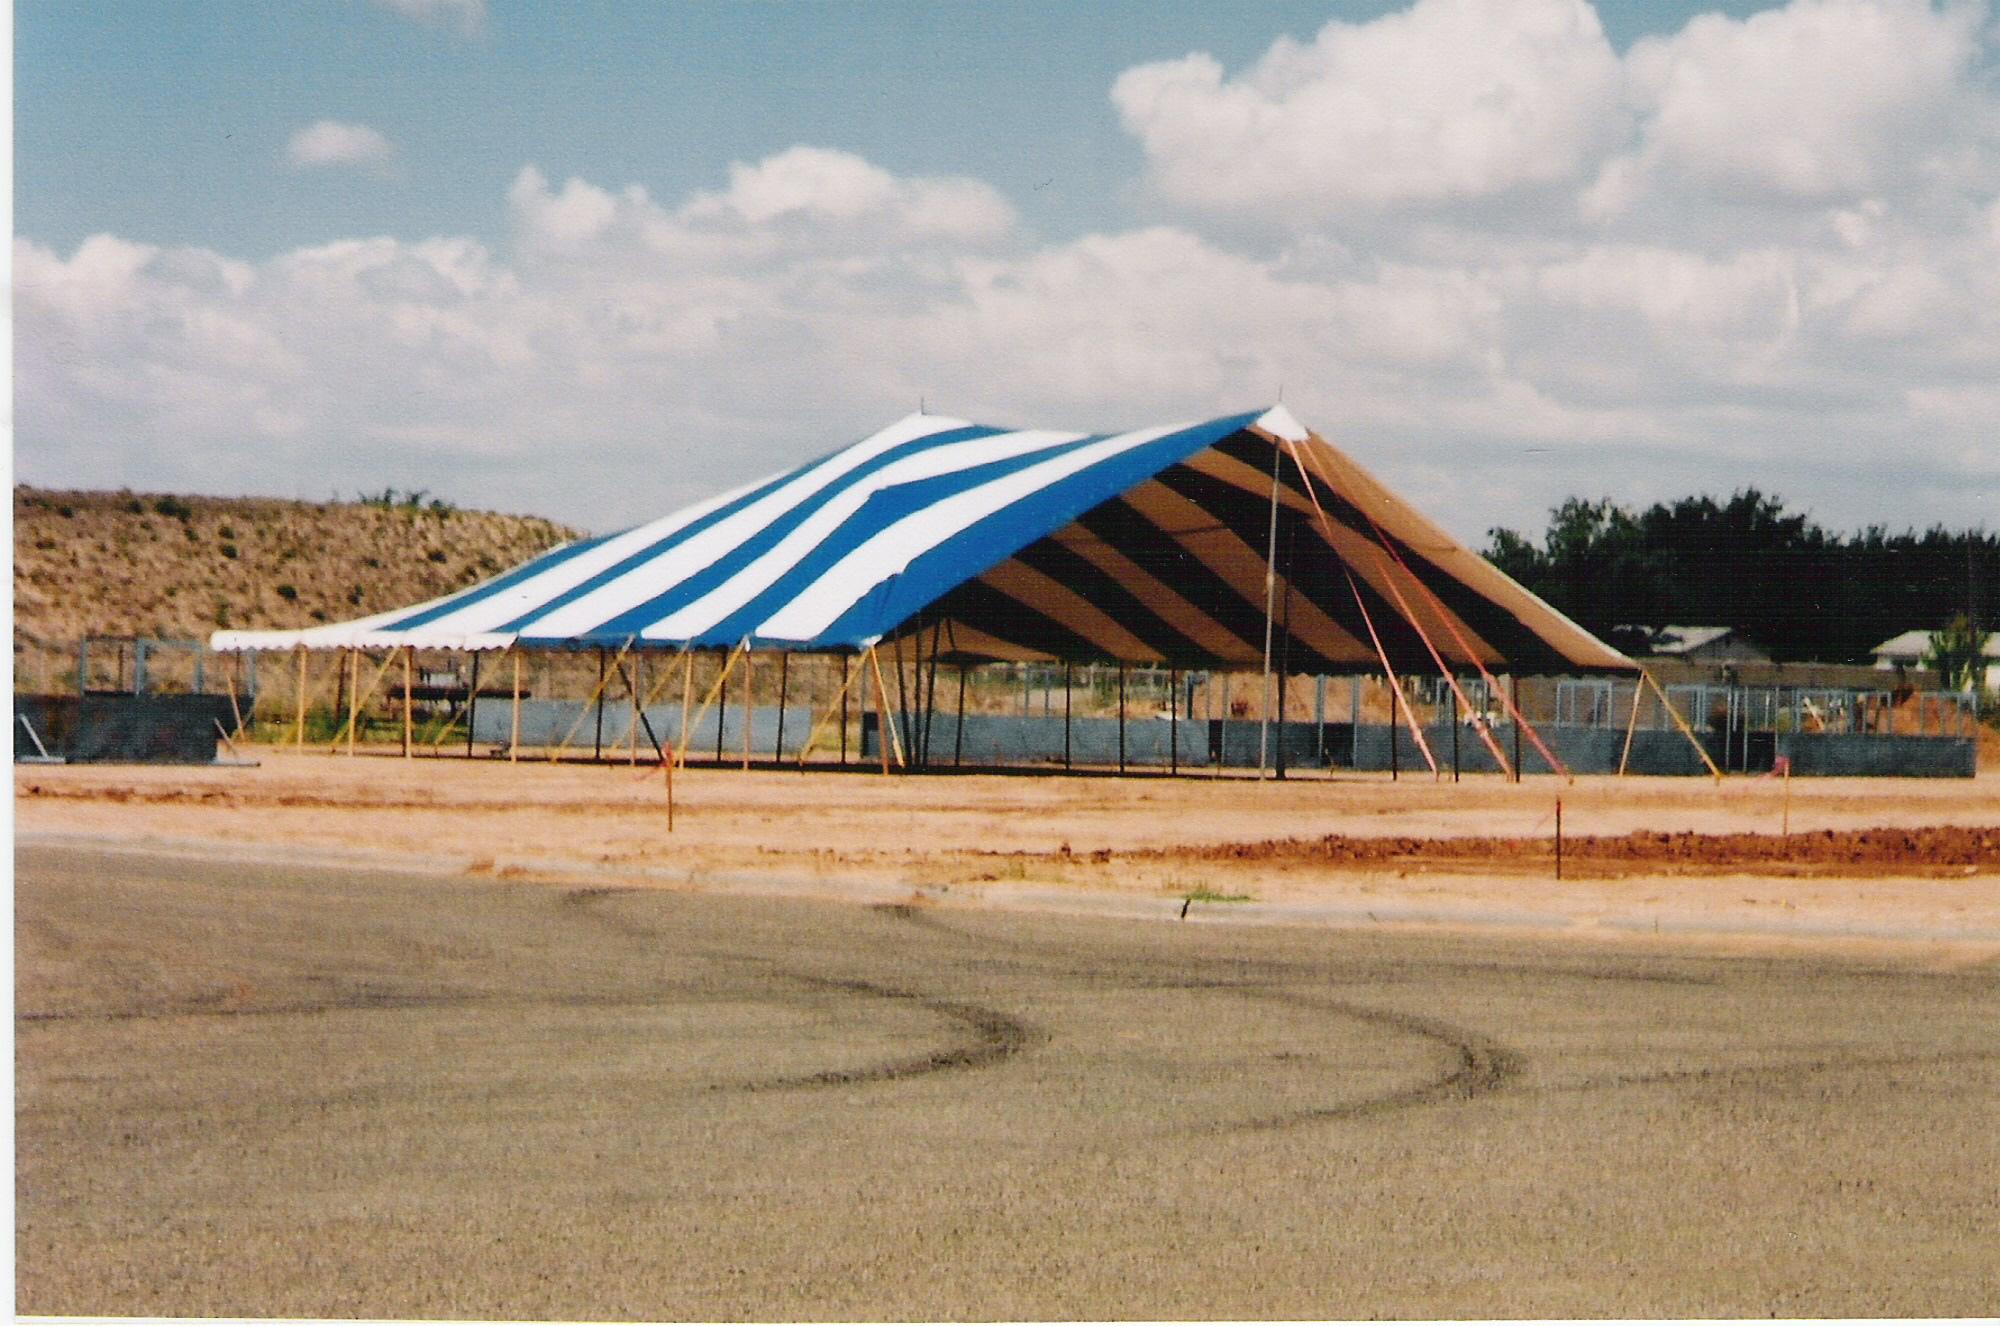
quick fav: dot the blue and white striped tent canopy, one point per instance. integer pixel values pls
(1146, 547)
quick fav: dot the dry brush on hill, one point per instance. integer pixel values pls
(146, 564)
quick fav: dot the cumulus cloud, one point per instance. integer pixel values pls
(1822, 320)
(463, 16)
(332, 143)
(1449, 100)
(1821, 101)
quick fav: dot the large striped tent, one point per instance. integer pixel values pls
(1146, 547)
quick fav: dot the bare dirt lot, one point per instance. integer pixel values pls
(268, 1090)
(1885, 859)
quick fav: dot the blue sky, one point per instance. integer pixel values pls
(510, 253)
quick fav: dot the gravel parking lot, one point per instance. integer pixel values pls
(295, 1091)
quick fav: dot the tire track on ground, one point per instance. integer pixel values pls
(992, 1035)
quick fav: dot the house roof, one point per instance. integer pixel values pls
(1913, 645)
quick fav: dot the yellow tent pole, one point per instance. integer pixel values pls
(895, 738)
(299, 731)
(847, 676)
(514, 733)
(687, 698)
(1631, 726)
(728, 666)
(632, 686)
(1681, 723)
(355, 695)
(584, 712)
(409, 664)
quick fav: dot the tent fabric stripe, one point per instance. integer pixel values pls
(1146, 547)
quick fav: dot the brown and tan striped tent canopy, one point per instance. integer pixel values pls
(1172, 572)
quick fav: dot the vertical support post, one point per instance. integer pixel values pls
(409, 712)
(1121, 717)
(299, 728)
(1514, 693)
(784, 684)
(1394, 771)
(1067, 704)
(958, 733)
(721, 709)
(1632, 725)
(1174, 721)
(687, 696)
(597, 741)
(845, 682)
(1559, 837)
(139, 667)
(903, 712)
(1319, 717)
(353, 697)
(471, 704)
(632, 729)
(514, 723)
(1454, 735)
(749, 702)
(1354, 720)
(1270, 593)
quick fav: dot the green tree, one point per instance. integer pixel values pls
(1958, 654)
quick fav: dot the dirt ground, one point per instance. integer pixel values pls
(1809, 860)
(266, 1089)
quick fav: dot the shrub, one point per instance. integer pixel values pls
(173, 506)
(229, 551)
(289, 593)
(436, 555)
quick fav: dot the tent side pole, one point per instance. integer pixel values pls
(353, 696)
(632, 728)
(1632, 726)
(514, 721)
(721, 708)
(471, 703)
(1514, 704)
(958, 733)
(1270, 593)
(1174, 721)
(597, 739)
(749, 703)
(299, 730)
(596, 698)
(882, 708)
(1121, 717)
(784, 684)
(846, 678)
(409, 713)
(1067, 705)
(838, 705)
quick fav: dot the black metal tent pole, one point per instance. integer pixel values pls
(784, 679)
(1121, 716)
(1066, 709)
(597, 743)
(903, 704)
(1454, 736)
(1173, 721)
(1394, 772)
(721, 708)
(471, 704)
(930, 690)
(1514, 688)
(958, 733)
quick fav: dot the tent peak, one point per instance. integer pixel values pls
(1280, 423)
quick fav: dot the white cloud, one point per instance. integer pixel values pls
(1458, 320)
(1820, 100)
(464, 16)
(1450, 100)
(332, 143)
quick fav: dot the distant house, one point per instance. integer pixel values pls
(1695, 644)
(1907, 652)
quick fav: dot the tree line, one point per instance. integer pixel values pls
(1775, 576)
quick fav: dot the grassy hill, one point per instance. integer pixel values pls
(98, 563)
